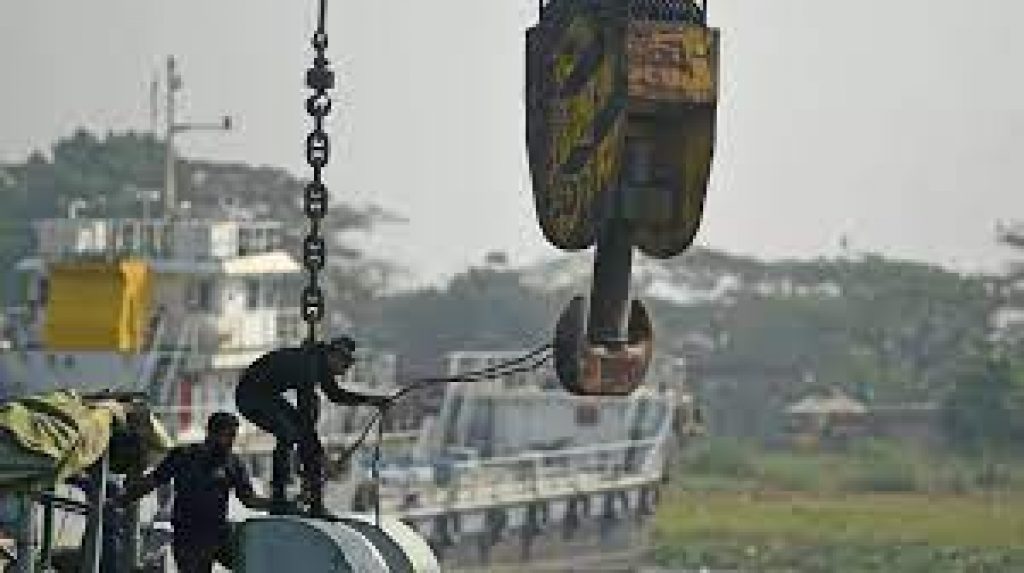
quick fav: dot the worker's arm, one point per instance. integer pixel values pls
(154, 479)
(335, 393)
(243, 487)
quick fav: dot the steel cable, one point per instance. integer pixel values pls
(525, 363)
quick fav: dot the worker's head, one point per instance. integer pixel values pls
(221, 429)
(340, 353)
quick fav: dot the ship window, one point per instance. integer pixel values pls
(202, 294)
(252, 294)
(243, 242)
(587, 414)
(271, 290)
(287, 328)
(252, 240)
(44, 290)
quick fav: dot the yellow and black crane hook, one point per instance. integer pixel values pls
(621, 100)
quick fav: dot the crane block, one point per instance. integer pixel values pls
(596, 369)
(620, 121)
(621, 98)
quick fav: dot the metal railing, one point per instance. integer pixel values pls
(158, 238)
(530, 477)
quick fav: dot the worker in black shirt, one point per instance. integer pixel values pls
(204, 475)
(260, 398)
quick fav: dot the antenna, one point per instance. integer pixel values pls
(154, 103)
(174, 127)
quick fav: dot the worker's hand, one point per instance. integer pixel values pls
(379, 401)
(340, 355)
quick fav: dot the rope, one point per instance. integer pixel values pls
(376, 463)
(490, 373)
(527, 363)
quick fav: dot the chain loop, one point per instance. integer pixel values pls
(314, 253)
(318, 104)
(315, 200)
(312, 304)
(318, 146)
(320, 40)
(320, 79)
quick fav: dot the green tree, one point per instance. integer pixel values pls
(480, 309)
(983, 412)
(108, 171)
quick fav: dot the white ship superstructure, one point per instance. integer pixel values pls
(211, 296)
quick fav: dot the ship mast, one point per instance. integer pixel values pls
(172, 128)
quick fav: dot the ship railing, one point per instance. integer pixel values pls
(18, 323)
(531, 476)
(185, 239)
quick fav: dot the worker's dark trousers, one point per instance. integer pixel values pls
(197, 553)
(273, 414)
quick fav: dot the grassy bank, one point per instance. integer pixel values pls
(869, 466)
(996, 521)
(787, 531)
(876, 507)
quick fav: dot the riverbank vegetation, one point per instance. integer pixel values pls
(879, 507)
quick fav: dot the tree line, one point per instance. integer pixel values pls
(884, 330)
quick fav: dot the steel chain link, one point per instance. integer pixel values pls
(320, 79)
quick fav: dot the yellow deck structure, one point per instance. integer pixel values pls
(97, 306)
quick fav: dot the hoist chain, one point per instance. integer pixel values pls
(320, 79)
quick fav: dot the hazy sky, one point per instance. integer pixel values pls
(898, 122)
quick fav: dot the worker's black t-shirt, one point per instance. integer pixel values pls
(289, 369)
(299, 369)
(203, 480)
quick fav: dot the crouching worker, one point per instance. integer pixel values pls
(260, 398)
(204, 475)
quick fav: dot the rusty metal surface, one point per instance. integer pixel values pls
(590, 369)
(672, 62)
(600, 83)
(684, 151)
(673, 93)
(621, 116)
(575, 117)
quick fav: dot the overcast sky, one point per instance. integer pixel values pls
(899, 123)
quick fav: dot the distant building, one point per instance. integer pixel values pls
(916, 423)
(830, 421)
(833, 420)
(741, 400)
